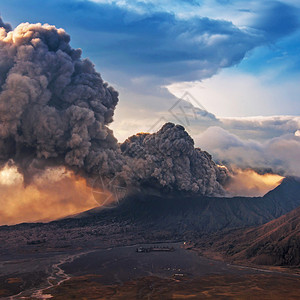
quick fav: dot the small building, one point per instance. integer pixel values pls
(154, 249)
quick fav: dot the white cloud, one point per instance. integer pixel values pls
(234, 93)
(280, 154)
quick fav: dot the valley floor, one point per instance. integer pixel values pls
(122, 273)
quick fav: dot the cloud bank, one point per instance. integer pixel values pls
(279, 155)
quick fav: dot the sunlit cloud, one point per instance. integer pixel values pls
(235, 93)
(251, 184)
(55, 194)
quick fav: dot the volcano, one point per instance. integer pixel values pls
(200, 214)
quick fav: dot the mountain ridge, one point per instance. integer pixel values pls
(274, 243)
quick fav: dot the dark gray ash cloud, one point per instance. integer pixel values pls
(53, 104)
(168, 159)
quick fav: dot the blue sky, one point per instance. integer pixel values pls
(239, 59)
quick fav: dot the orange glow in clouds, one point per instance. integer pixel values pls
(251, 184)
(55, 194)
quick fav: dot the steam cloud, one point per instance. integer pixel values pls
(55, 110)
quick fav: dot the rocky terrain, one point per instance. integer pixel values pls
(267, 287)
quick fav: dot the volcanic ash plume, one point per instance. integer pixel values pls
(168, 160)
(54, 106)
(54, 111)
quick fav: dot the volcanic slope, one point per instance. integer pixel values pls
(200, 214)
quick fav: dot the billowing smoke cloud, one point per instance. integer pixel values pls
(54, 106)
(54, 111)
(168, 159)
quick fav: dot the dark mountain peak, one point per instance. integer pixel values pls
(291, 180)
(289, 185)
